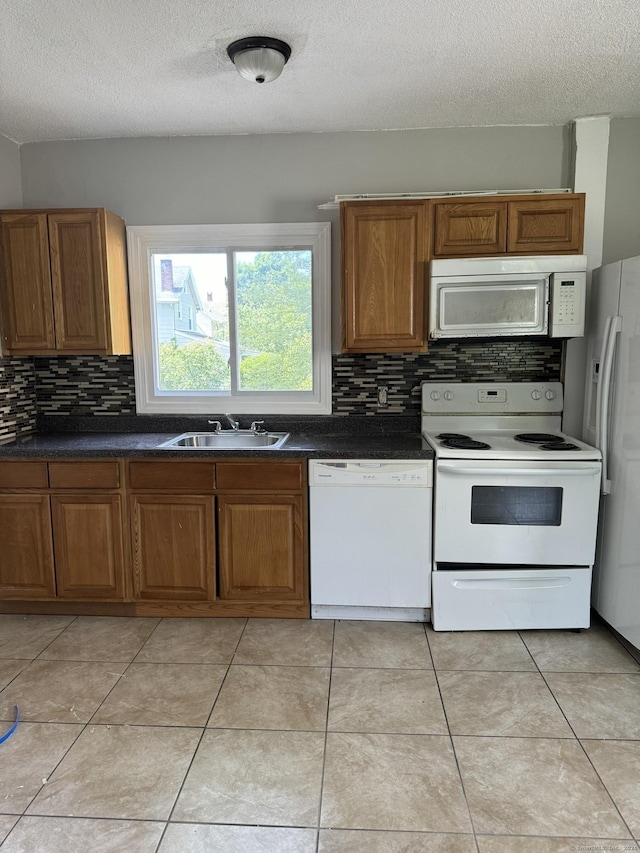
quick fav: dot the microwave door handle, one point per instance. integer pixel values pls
(606, 369)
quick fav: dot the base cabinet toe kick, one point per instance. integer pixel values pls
(154, 538)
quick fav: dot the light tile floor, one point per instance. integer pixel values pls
(287, 736)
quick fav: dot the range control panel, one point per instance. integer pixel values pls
(487, 398)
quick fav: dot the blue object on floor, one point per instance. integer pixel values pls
(8, 734)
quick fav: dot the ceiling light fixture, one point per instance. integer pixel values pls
(259, 58)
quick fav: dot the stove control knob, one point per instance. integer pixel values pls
(550, 395)
(448, 395)
(536, 394)
(435, 395)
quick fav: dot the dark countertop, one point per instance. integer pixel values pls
(403, 445)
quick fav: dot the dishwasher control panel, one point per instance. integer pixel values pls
(371, 473)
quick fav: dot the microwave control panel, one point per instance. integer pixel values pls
(567, 293)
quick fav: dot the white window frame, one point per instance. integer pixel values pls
(143, 241)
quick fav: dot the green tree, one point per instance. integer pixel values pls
(193, 367)
(273, 292)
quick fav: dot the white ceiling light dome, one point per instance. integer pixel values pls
(259, 58)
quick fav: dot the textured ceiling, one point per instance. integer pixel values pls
(74, 69)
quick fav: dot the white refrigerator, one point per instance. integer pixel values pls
(612, 423)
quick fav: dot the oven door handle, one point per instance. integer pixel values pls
(512, 583)
(576, 469)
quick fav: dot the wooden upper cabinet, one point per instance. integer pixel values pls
(25, 284)
(384, 248)
(523, 225)
(546, 225)
(63, 282)
(470, 228)
(78, 284)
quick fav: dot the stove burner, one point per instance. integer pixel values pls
(536, 437)
(465, 443)
(449, 435)
(559, 445)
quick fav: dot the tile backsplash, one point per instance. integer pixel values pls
(85, 385)
(356, 377)
(17, 397)
(104, 385)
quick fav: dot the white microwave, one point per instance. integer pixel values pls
(495, 297)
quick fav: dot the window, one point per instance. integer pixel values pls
(231, 317)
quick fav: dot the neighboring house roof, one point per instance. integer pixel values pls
(183, 282)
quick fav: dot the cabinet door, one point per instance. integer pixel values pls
(173, 547)
(87, 534)
(78, 281)
(470, 229)
(546, 225)
(25, 282)
(26, 551)
(384, 252)
(261, 547)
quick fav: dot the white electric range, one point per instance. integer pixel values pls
(515, 508)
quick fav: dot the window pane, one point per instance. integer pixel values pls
(273, 297)
(192, 322)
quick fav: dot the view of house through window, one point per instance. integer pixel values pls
(233, 320)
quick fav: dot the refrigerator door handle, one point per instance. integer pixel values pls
(600, 373)
(612, 328)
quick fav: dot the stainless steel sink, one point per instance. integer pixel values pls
(228, 439)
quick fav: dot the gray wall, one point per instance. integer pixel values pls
(10, 183)
(622, 207)
(280, 178)
(284, 177)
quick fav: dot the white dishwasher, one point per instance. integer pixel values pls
(370, 539)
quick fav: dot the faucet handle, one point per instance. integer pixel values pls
(256, 426)
(217, 425)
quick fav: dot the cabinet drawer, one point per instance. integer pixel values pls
(84, 475)
(23, 475)
(270, 476)
(175, 476)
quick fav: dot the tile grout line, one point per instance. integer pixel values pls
(577, 739)
(326, 735)
(453, 748)
(74, 741)
(201, 738)
(83, 728)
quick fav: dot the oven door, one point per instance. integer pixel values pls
(516, 512)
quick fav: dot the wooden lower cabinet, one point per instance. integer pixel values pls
(87, 535)
(26, 547)
(173, 540)
(154, 538)
(261, 547)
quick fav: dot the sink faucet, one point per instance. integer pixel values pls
(233, 423)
